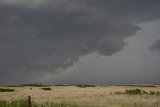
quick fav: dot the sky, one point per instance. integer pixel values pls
(79, 41)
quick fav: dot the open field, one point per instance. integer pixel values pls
(94, 96)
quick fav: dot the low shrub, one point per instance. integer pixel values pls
(33, 85)
(62, 85)
(84, 85)
(136, 92)
(154, 92)
(117, 92)
(47, 88)
(6, 90)
(150, 86)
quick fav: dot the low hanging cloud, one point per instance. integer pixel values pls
(38, 36)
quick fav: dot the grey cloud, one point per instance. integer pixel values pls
(155, 46)
(133, 11)
(39, 36)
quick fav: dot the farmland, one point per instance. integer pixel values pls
(84, 95)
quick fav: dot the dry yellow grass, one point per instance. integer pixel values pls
(99, 96)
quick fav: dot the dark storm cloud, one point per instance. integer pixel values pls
(38, 36)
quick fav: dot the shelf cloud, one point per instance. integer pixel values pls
(38, 36)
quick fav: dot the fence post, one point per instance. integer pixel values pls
(29, 101)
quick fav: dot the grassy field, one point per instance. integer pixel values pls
(82, 96)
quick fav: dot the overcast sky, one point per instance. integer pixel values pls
(79, 41)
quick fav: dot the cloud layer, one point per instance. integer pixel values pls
(38, 36)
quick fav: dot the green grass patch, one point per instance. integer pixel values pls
(14, 103)
(3, 103)
(24, 103)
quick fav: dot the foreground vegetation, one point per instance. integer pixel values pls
(14, 103)
(24, 103)
(81, 95)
